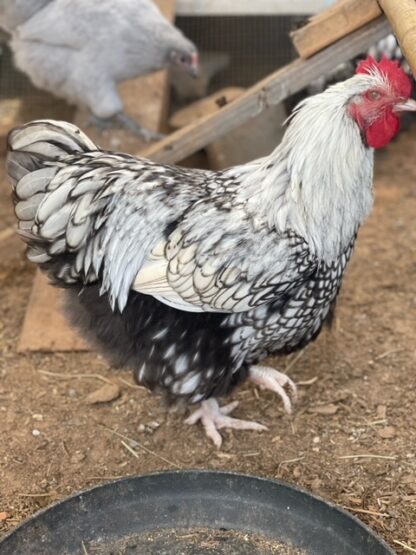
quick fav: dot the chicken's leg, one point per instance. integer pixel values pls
(134, 127)
(214, 417)
(126, 122)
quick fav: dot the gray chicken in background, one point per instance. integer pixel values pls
(81, 49)
(188, 88)
(16, 12)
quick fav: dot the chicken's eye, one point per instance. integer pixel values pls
(373, 95)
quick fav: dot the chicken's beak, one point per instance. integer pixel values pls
(407, 106)
(195, 65)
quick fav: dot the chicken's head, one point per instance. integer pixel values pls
(388, 91)
(185, 59)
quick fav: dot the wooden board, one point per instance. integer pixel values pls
(333, 24)
(206, 106)
(267, 92)
(402, 16)
(253, 139)
(45, 328)
(249, 7)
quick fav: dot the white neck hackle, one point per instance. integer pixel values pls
(319, 181)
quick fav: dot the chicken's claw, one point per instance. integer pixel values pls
(269, 378)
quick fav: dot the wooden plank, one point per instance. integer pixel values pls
(208, 105)
(249, 7)
(270, 91)
(7, 233)
(402, 16)
(333, 24)
(254, 139)
(45, 328)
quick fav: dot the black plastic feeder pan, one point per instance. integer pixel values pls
(193, 513)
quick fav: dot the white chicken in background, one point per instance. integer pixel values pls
(80, 50)
(193, 277)
(16, 12)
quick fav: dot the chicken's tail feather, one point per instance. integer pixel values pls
(33, 144)
(46, 204)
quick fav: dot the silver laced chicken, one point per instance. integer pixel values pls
(192, 277)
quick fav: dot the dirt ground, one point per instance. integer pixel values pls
(352, 438)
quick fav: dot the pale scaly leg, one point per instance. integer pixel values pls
(124, 121)
(214, 417)
(130, 124)
(269, 378)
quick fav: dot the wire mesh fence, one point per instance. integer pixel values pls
(235, 51)
(13, 82)
(255, 45)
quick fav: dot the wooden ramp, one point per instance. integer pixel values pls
(45, 327)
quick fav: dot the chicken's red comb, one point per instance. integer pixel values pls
(396, 75)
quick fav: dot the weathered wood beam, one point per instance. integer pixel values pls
(45, 327)
(333, 24)
(402, 16)
(271, 90)
(248, 7)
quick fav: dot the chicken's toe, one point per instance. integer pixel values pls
(269, 378)
(214, 418)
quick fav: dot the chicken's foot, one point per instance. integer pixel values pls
(214, 417)
(124, 121)
(135, 128)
